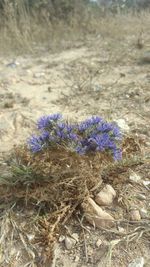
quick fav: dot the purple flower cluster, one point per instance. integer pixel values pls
(46, 122)
(91, 135)
(53, 130)
(99, 135)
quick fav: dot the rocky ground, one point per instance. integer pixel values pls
(94, 78)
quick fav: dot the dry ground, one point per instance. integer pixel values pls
(102, 75)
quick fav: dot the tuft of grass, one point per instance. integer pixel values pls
(45, 190)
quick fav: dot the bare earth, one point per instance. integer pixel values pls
(93, 79)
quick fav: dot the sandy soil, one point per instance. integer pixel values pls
(91, 79)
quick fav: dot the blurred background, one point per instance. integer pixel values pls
(25, 24)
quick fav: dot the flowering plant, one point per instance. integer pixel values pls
(91, 135)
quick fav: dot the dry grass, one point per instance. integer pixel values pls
(51, 185)
(22, 30)
(43, 193)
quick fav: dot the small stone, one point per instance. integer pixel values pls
(98, 243)
(135, 215)
(123, 125)
(141, 197)
(39, 75)
(76, 259)
(69, 242)
(143, 213)
(30, 237)
(106, 196)
(134, 177)
(146, 183)
(139, 262)
(28, 71)
(95, 215)
(61, 238)
(75, 236)
(121, 230)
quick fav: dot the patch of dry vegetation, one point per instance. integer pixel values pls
(44, 191)
(51, 185)
(24, 27)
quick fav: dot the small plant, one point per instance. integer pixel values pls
(91, 135)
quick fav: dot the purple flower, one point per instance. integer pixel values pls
(93, 121)
(116, 133)
(44, 136)
(117, 153)
(93, 134)
(65, 132)
(101, 141)
(73, 137)
(61, 126)
(37, 143)
(104, 127)
(80, 150)
(47, 121)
